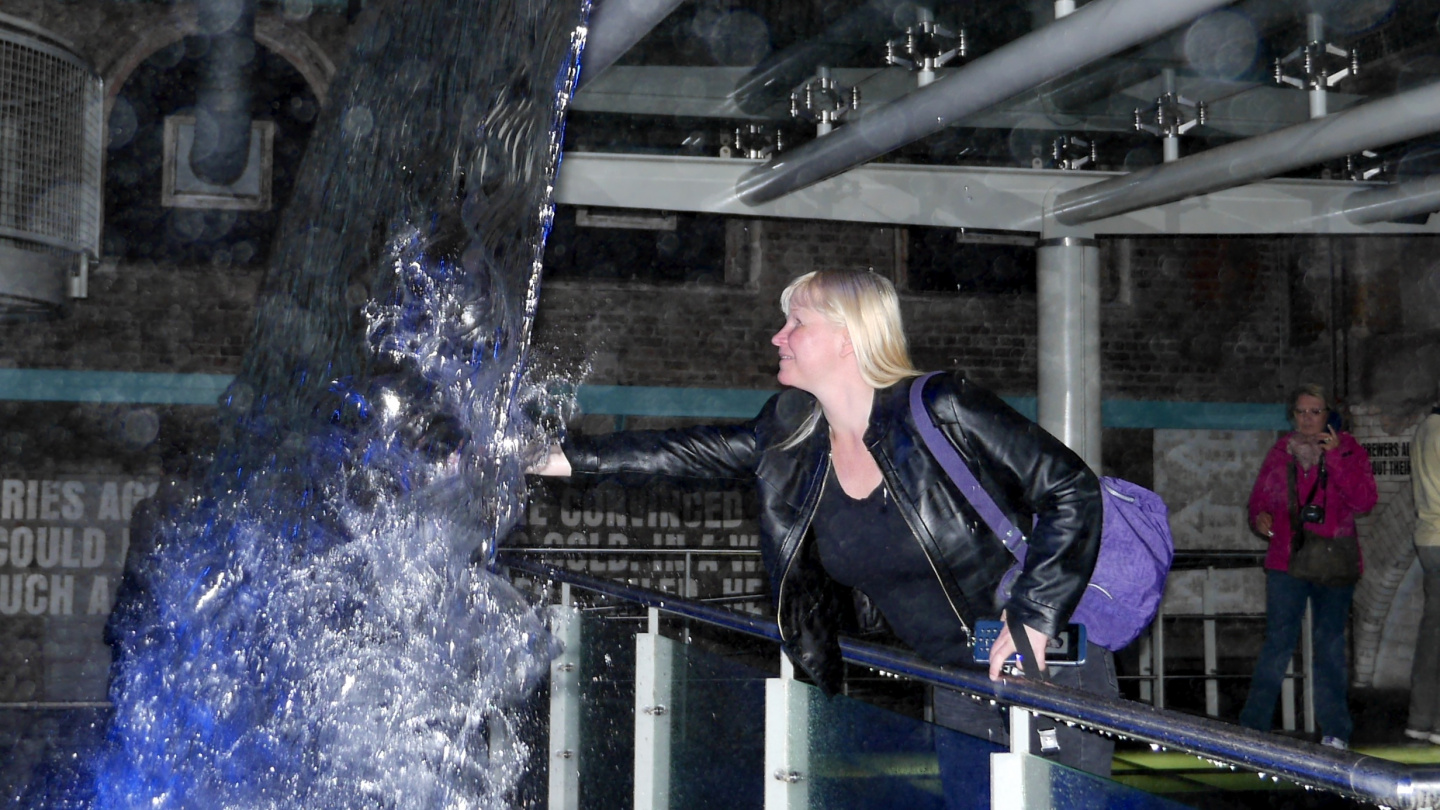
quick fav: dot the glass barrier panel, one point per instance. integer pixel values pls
(863, 756)
(717, 732)
(607, 713)
(1077, 790)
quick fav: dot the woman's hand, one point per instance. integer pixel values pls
(554, 464)
(1329, 440)
(1004, 647)
(1265, 523)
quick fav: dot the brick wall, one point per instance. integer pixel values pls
(144, 317)
(1202, 319)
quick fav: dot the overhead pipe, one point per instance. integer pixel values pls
(615, 27)
(221, 147)
(770, 82)
(1394, 202)
(1101, 80)
(1097, 30)
(1378, 123)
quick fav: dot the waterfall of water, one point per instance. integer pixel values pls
(314, 627)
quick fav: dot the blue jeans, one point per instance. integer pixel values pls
(1285, 598)
(1425, 676)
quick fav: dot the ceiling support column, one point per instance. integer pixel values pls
(1068, 302)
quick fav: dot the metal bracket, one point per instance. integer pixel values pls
(755, 142)
(1073, 152)
(1171, 116)
(925, 47)
(1315, 57)
(1368, 165)
(822, 100)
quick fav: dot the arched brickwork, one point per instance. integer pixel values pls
(271, 31)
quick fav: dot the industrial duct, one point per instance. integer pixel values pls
(222, 106)
(51, 130)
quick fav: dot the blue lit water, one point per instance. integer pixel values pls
(312, 625)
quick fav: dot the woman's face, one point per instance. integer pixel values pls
(811, 347)
(1310, 414)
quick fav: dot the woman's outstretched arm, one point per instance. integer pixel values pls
(554, 464)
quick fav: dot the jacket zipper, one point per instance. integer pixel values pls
(780, 602)
(933, 568)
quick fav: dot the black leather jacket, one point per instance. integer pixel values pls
(1026, 470)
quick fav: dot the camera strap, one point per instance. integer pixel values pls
(1295, 491)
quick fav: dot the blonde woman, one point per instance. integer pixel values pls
(850, 498)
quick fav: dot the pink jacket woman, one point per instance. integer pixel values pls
(1349, 488)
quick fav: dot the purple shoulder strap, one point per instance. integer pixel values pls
(945, 453)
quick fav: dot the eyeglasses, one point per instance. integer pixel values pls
(1311, 411)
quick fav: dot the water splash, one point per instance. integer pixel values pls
(314, 627)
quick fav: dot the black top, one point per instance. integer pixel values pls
(866, 544)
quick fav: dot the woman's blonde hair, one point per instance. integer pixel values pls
(866, 305)
(1305, 390)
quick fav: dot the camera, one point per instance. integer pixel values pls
(1312, 513)
(1066, 649)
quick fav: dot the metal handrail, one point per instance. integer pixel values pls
(1386, 783)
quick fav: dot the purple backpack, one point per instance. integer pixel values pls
(1135, 544)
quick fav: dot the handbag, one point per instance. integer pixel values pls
(1330, 561)
(1136, 545)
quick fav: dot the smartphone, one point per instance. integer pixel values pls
(1064, 650)
(1334, 422)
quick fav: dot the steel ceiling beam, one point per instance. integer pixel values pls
(1004, 199)
(1368, 126)
(1389, 203)
(615, 27)
(1097, 30)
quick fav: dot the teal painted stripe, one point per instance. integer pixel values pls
(1133, 413)
(55, 385)
(58, 385)
(1025, 405)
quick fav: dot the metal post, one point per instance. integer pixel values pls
(1157, 646)
(787, 741)
(1019, 780)
(1147, 670)
(1171, 142)
(653, 677)
(1287, 696)
(1068, 297)
(1315, 32)
(565, 706)
(926, 76)
(1096, 30)
(1307, 655)
(1207, 606)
